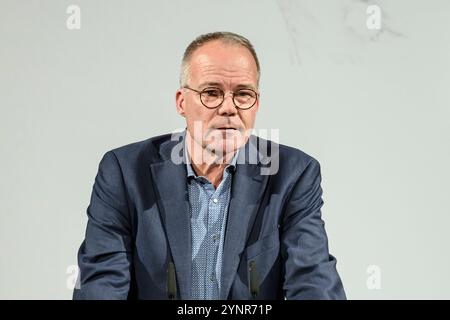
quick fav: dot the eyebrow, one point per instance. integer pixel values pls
(217, 84)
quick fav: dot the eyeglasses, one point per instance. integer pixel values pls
(212, 97)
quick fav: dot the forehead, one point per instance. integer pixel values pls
(229, 64)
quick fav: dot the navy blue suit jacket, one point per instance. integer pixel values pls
(139, 221)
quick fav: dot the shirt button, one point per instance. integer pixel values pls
(215, 237)
(215, 200)
(212, 277)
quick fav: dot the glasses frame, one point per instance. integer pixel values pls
(199, 92)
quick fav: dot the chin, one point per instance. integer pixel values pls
(224, 146)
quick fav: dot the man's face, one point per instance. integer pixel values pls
(229, 67)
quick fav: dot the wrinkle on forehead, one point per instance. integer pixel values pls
(224, 76)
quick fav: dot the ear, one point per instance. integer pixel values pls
(180, 102)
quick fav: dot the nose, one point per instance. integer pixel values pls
(227, 107)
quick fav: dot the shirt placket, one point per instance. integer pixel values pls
(212, 241)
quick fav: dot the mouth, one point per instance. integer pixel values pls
(223, 128)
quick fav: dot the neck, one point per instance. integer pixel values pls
(205, 163)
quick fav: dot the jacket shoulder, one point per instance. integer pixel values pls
(147, 149)
(297, 156)
(288, 156)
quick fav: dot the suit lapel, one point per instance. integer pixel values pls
(247, 189)
(170, 183)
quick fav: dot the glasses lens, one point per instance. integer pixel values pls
(245, 98)
(211, 97)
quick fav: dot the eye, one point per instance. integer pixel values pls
(212, 92)
(245, 94)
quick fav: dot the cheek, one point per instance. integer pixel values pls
(248, 119)
(193, 112)
(199, 115)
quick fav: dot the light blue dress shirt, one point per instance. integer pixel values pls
(208, 209)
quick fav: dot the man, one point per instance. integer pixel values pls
(201, 216)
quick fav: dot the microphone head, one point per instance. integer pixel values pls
(254, 282)
(171, 282)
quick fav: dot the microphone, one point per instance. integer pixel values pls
(171, 282)
(254, 283)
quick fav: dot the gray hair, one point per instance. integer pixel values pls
(226, 37)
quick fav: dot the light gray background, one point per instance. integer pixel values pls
(372, 106)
